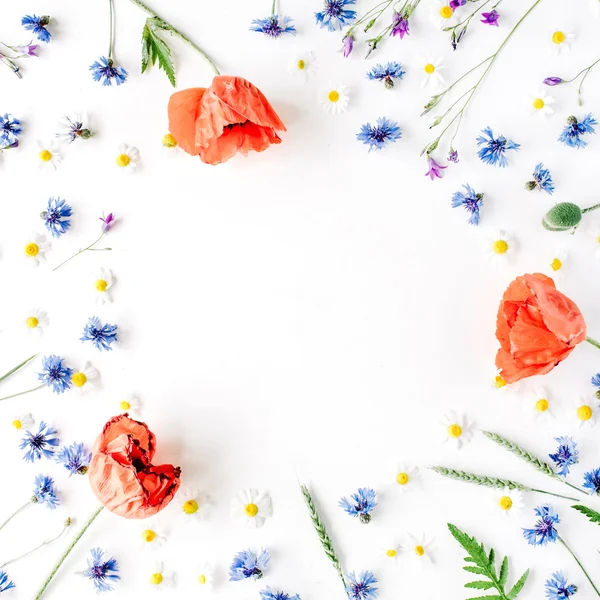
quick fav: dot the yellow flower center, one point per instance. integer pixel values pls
(500, 247)
(124, 405)
(446, 12)
(45, 155)
(391, 553)
(585, 412)
(301, 65)
(123, 160)
(169, 141)
(499, 382)
(429, 68)
(556, 264)
(598, 239)
(149, 536)
(17, 424)
(202, 579)
(333, 96)
(32, 322)
(101, 285)
(251, 510)
(156, 578)
(542, 405)
(558, 37)
(32, 249)
(190, 507)
(419, 551)
(454, 430)
(79, 379)
(505, 503)
(402, 478)
(538, 104)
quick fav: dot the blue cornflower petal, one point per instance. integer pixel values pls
(10, 129)
(360, 504)
(591, 481)
(104, 70)
(386, 73)
(75, 458)
(566, 455)
(542, 180)
(56, 216)
(5, 583)
(361, 587)
(41, 443)
(544, 530)
(334, 14)
(246, 565)
(267, 594)
(102, 336)
(557, 587)
(55, 374)
(38, 26)
(493, 149)
(377, 136)
(596, 380)
(103, 572)
(44, 492)
(274, 26)
(471, 201)
(571, 134)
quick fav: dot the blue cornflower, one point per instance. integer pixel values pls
(571, 134)
(74, 458)
(360, 504)
(596, 380)
(10, 129)
(386, 73)
(44, 492)
(102, 336)
(557, 587)
(269, 595)
(566, 455)
(544, 530)
(274, 26)
(38, 26)
(56, 216)
(5, 583)
(542, 180)
(102, 572)
(471, 201)
(334, 15)
(361, 587)
(377, 136)
(55, 374)
(104, 70)
(493, 149)
(246, 565)
(591, 481)
(42, 442)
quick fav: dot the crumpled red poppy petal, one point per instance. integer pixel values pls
(183, 109)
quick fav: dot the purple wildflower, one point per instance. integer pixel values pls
(107, 221)
(399, 25)
(435, 169)
(348, 45)
(552, 81)
(453, 156)
(454, 4)
(491, 18)
(471, 201)
(27, 49)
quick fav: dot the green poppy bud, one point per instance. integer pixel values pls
(562, 217)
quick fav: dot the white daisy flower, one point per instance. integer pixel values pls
(36, 248)
(104, 281)
(334, 99)
(499, 383)
(303, 65)
(128, 158)
(540, 103)
(130, 404)
(442, 14)
(557, 264)
(457, 429)
(537, 404)
(161, 579)
(205, 577)
(390, 554)
(86, 379)
(419, 549)
(250, 508)
(499, 247)
(432, 68)
(405, 477)
(151, 536)
(23, 421)
(510, 502)
(560, 40)
(170, 146)
(49, 155)
(72, 126)
(36, 320)
(585, 412)
(193, 504)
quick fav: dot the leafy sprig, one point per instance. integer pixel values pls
(484, 564)
(592, 515)
(155, 48)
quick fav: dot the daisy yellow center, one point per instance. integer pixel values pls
(556, 264)
(454, 430)
(598, 239)
(169, 141)
(500, 247)
(505, 503)
(45, 155)
(499, 382)
(391, 553)
(301, 65)
(79, 379)
(429, 68)
(124, 405)
(17, 424)
(538, 104)
(251, 510)
(32, 249)
(558, 37)
(202, 579)
(156, 578)
(148, 535)
(101, 285)
(584, 413)
(542, 405)
(32, 322)
(446, 12)
(123, 160)
(402, 478)
(333, 96)
(419, 551)
(190, 507)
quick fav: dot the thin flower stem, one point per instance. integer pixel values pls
(580, 565)
(14, 514)
(177, 33)
(90, 247)
(66, 553)
(273, 7)
(590, 208)
(574, 487)
(593, 342)
(553, 494)
(580, 72)
(368, 14)
(465, 74)
(39, 387)
(468, 19)
(111, 28)
(17, 367)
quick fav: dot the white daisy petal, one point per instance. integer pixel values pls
(499, 247)
(250, 508)
(334, 99)
(302, 65)
(128, 158)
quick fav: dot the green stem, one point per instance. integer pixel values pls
(22, 393)
(17, 367)
(580, 565)
(593, 342)
(14, 515)
(273, 7)
(468, 19)
(589, 209)
(552, 494)
(573, 486)
(177, 33)
(111, 27)
(66, 553)
(90, 247)
(582, 71)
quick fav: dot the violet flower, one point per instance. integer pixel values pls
(453, 155)
(399, 25)
(26, 49)
(491, 18)
(435, 169)
(454, 4)
(348, 45)
(552, 81)
(107, 221)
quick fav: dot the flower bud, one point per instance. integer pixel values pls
(85, 134)
(562, 217)
(388, 82)
(531, 185)
(553, 81)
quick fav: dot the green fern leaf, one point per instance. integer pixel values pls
(592, 515)
(515, 590)
(154, 48)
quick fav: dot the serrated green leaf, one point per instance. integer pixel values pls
(154, 48)
(468, 559)
(475, 570)
(480, 585)
(514, 592)
(145, 47)
(492, 560)
(592, 515)
(492, 597)
(503, 578)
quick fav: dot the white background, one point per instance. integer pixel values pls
(311, 311)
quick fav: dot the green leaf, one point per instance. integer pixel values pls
(514, 592)
(480, 585)
(492, 597)
(503, 572)
(154, 48)
(592, 515)
(476, 570)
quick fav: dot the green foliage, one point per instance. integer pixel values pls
(484, 564)
(592, 515)
(155, 48)
(563, 216)
(483, 480)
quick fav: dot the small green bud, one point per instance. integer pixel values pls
(364, 518)
(437, 121)
(45, 20)
(388, 82)
(597, 394)
(432, 146)
(562, 217)
(85, 134)
(370, 24)
(572, 120)
(531, 185)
